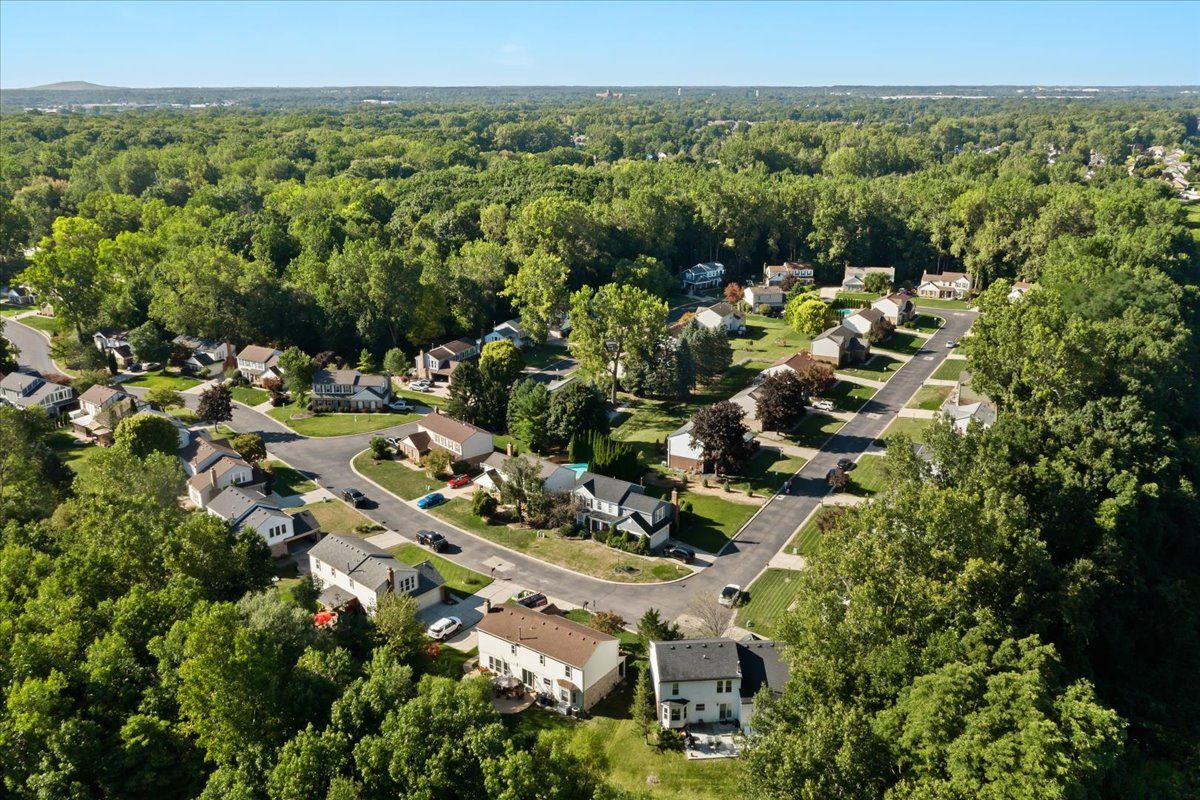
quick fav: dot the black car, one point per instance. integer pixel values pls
(433, 540)
(680, 553)
(354, 497)
(844, 464)
(531, 599)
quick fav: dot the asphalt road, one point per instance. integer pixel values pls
(327, 461)
(34, 347)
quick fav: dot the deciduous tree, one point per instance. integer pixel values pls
(611, 325)
(780, 401)
(719, 431)
(538, 291)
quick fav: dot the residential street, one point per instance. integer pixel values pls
(327, 460)
(34, 346)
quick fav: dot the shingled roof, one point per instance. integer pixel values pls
(549, 634)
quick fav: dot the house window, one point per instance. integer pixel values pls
(724, 687)
(676, 714)
(496, 665)
(699, 706)
(546, 682)
(513, 648)
(675, 690)
(542, 660)
(567, 671)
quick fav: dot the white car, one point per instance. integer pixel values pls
(419, 386)
(443, 628)
(824, 405)
(731, 595)
(952, 343)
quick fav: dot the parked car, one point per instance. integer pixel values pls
(458, 481)
(430, 500)
(443, 628)
(433, 540)
(150, 366)
(731, 595)
(419, 386)
(844, 464)
(683, 554)
(400, 405)
(394, 441)
(824, 405)
(354, 497)
(952, 343)
(531, 599)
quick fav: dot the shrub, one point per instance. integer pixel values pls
(566, 530)
(380, 449)
(606, 622)
(436, 463)
(483, 504)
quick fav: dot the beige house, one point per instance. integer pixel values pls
(682, 454)
(439, 362)
(723, 317)
(798, 363)
(200, 453)
(462, 441)
(770, 296)
(802, 271)
(946, 286)
(841, 346)
(870, 322)
(257, 363)
(897, 308)
(226, 471)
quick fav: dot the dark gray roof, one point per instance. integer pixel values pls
(696, 659)
(358, 558)
(428, 578)
(610, 490)
(303, 522)
(761, 665)
(236, 502)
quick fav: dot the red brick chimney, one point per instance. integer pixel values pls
(391, 580)
(675, 506)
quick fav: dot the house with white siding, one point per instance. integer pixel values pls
(699, 681)
(801, 271)
(605, 504)
(350, 390)
(721, 317)
(840, 346)
(30, 390)
(897, 308)
(772, 297)
(945, 286)
(854, 278)
(353, 572)
(246, 507)
(257, 363)
(464, 442)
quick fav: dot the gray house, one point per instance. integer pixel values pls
(31, 390)
(350, 390)
(608, 503)
(355, 572)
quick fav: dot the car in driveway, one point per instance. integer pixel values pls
(444, 628)
(732, 595)
(433, 540)
(824, 405)
(458, 481)
(353, 496)
(400, 405)
(420, 386)
(430, 500)
(684, 554)
(531, 599)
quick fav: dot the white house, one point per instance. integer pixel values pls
(464, 442)
(203, 357)
(840, 346)
(870, 322)
(30, 390)
(551, 655)
(965, 405)
(226, 471)
(682, 454)
(353, 571)
(440, 361)
(723, 317)
(20, 296)
(510, 330)
(349, 390)
(703, 276)
(1019, 289)
(244, 507)
(948, 285)
(772, 297)
(801, 271)
(854, 278)
(115, 341)
(897, 307)
(555, 477)
(257, 363)
(200, 453)
(713, 680)
(605, 503)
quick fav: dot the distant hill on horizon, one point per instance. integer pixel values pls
(69, 86)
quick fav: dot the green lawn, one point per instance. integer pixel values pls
(9, 311)
(867, 477)
(47, 325)
(876, 368)
(154, 380)
(950, 369)
(930, 398)
(766, 471)
(250, 395)
(460, 580)
(910, 426)
(857, 297)
(1192, 210)
(185, 415)
(544, 354)
(807, 540)
(906, 344)
(925, 323)
(929, 302)
(75, 454)
(586, 556)
(770, 596)
(396, 476)
(424, 398)
(767, 339)
(289, 481)
(308, 423)
(711, 521)
(335, 516)
(848, 396)
(815, 428)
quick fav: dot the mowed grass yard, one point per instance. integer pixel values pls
(396, 476)
(911, 427)
(867, 478)
(766, 471)
(308, 423)
(707, 521)
(850, 396)
(334, 516)
(950, 369)
(770, 596)
(460, 580)
(814, 429)
(767, 339)
(162, 378)
(929, 302)
(930, 398)
(249, 395)
(585, 556)
(878, 367)
(75, 454)
(807, 540)
(906, 344)
(423, 398)
(925, 323)
(47, 325)
(290, 481)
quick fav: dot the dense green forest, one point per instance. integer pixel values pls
(1019, 618)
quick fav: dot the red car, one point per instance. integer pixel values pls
(458, 481)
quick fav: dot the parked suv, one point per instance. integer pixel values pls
(433, 540)
(354, 497)
(824, 405)
(683, 554)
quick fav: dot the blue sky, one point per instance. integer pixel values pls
(452, 44)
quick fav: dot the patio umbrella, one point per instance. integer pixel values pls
(507, 681)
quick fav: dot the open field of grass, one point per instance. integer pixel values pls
(910, 426)
(867, 478)
(75, 454)
(289, 481)
(807, 540)
(929, 302)
(950, 369)
(307, 423)
(766, 471)
(460, 580)
(767, 339)
(707, 521)
(815, 428)
(155, 380)
(250, 395)
(930, 398)
(925, 323)
(906, 344)
(334, 516)
(586, 556)
(848, 396)
(876, 368)
(770, 596)
(396, 476)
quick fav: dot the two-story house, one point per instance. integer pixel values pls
(897, 307)
(200, 453)
(551, 655)
(257, 363)
(605, 503)
(801, 271)
(723, 317)
(946, 286)
(510, 330)
(226, 471)
(840, 346)
(100, 409)
(464, 442)
(20, 296)
(115, 341)
(349, 390)
(683, 454)
(854, 278)
(870, 322)
(354, 572)
(245, 507)
(703, 276)
(440, 361)
(556, 478)
(713, 680)
(203, 357)
(27, 390)
(772, 298)
(965, 406)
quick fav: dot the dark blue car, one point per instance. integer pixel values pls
(431, 500)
